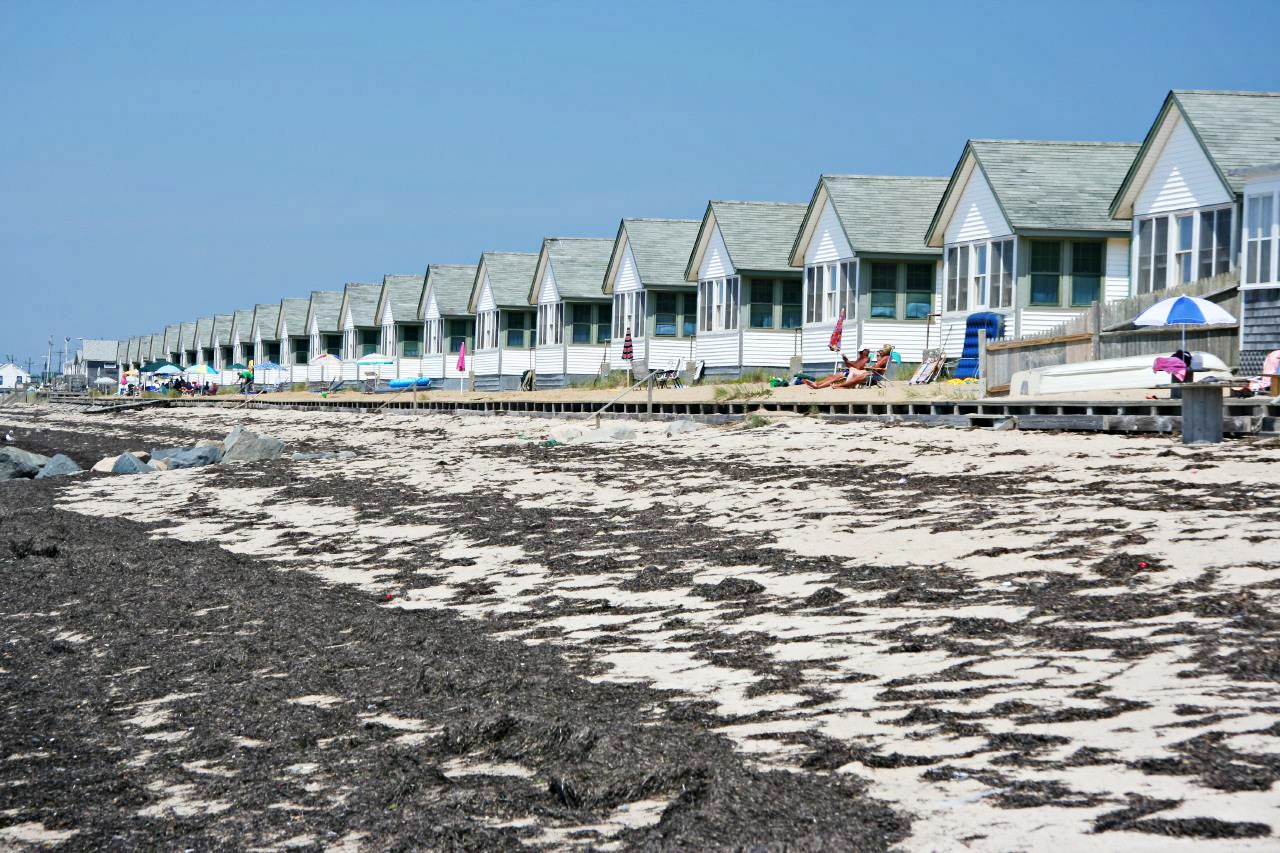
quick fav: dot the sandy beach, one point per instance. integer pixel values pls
(937, 639)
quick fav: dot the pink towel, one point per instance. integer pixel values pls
(1175, 367)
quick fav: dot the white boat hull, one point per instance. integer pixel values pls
(1109, 374)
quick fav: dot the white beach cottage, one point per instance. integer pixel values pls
(171, 342)
(12, 377)
(749, 296)
(266, 341)
(241, 337)
(1185, 194)
(447, 324)
(862, 248)
(1260, 265)
(397, 314)
(324, 324)
(1027, 233)
(574, 324)
(646, 273)
(505, 333)
(361, 334)
(220, 342)
(187, 343)
(204, 340)
(291, 332)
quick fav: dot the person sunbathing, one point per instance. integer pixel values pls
(858, 364)
(859, 378)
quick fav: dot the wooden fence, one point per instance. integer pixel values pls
(1105, 330)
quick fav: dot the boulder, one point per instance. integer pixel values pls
(161, 464)
(17, 464)
(60, 465)
(129, 463)
(188, 457)
(108, 464)
(211, 442)
(241, 445)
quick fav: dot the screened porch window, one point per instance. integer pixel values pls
(551, 323)
(458, 332)
(1046, 272)
(333, 345)
(762, 300)
(434, 336)
(409, 341)
(1002, 274)
(1086, 272)
(581, 322)
(1184, 254)
(1215, 242)
(367, 341)
(520, 326)
(919, 292)
(629, 314)
(884, 291)
(718, 304)
(487, 330)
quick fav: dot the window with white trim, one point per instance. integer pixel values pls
(719, 300)
(629, 314)
(1002, 274)
(487, 330)
(434, 336)
(1199, 242)
(551, 323)
(830, 289)
(1261, 238)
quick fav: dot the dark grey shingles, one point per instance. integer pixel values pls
(361, 300)
(578, 264)
(402, 293)
(509, 276)
(324, 310)
(758, 234)
(293, 316)
(661, 248)
(451, 285)
(1066, 186)
(266, 321)
(1238, 129)
(885, 214)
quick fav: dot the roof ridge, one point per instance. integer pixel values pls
(655, 219)
(773, 203)
(1241, 93)
(887, 177)
(1091, 142)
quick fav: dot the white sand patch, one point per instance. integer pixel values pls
(467, 766)
(180, 802)
(34, 832)
(318, 700)
(393, 722)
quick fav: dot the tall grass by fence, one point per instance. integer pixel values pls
(1105, 330)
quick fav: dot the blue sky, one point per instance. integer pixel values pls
(160, 162)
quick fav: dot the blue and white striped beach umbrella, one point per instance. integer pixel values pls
(1184, 311)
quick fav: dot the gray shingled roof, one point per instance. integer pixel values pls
(1238, 129)
(661, 248)
(204, 332)
(266, 317)
(758, 234)
(451, 284)
(222, 328)
(325, 307)
(171, 339)
(242, 325)
(157, 350)
(1065, 186)
(362, 301)
(293, 314)
(187, 336)
(509, 276)
(98, 349)
(404, 292)
(884, 214)
(122, 352)
(131, 352)
(578, 265)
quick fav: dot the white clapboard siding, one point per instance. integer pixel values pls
(549, 361)
(585, 359)
(516, 361)
(486, 301)
(816, 338)
(484, 363)
(1117, 280)
(907, 338)
(761, 348)
(666, 352)
(715, 262)
(977, 216)
(451, 366)
(628, 276)
(433, 308)
(718, 349)
(1036, 322)
(549, 293)
(1181, 177)
(829, 242)
(433, 366)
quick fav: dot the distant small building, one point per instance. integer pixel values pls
(96, 358)
(12, 377)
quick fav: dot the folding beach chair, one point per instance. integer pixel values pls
(670, 376)
(930, 369)
(699, 371)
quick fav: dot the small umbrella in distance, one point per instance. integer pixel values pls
(1184, 311)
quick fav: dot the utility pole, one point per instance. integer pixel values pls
(48, 360)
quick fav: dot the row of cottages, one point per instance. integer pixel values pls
(291, 332)
(1025, 231)
(448, 325)
(324, 324)
(1200, 199)
(361, 332)
(505, 323)
(574, 320)
(646, 273)
(862, 251)
(397, 313)
(747, 310)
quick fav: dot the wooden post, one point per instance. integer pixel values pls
(649, 404)
(1095, 321)
(982, 353)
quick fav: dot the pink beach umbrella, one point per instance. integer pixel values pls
(462, 364)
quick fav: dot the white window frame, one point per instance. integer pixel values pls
(977, 279)
(1175, 256)
(487, 330)
(1252, 245)
(719, 304)
(629, 313)
(827, 289)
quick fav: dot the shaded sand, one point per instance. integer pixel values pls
(1019, 638)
